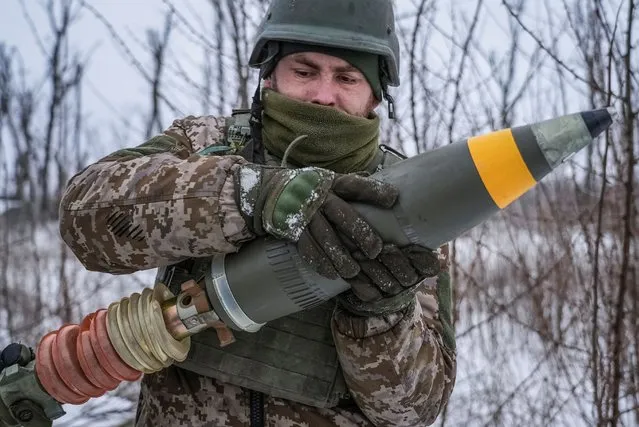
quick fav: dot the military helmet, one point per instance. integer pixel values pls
(360, 25)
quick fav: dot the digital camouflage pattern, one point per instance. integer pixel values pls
(398, 368)
(160, 203)
(179, 398)
(155, 204)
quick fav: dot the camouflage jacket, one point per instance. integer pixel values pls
(160, 203)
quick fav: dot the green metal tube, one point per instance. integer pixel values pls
(443, 193)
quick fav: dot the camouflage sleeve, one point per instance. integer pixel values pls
(401, 368)
(155, 204)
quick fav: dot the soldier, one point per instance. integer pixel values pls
(380, 354)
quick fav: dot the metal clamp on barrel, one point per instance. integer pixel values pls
(194, 310)
(223, 300)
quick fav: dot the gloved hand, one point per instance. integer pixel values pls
(310, 206)
(388, 283)
(16, 405)
(16, 353)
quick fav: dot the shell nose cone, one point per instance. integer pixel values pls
(597, 121)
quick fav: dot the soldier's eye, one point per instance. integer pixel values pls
(348, 79)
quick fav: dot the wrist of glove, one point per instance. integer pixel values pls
(388, 283)
(310, 206)
(16, 353)
(280, 201)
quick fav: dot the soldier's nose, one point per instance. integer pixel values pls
(324, 94)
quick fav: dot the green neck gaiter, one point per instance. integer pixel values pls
(335, 140)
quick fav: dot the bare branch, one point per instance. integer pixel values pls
(174, 109)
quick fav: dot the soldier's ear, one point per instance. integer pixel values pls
(267, 83)
(374, 103)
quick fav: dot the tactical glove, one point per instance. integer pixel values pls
(387, 284)
(15, 353)
(310, 206)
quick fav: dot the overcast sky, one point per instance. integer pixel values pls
(114, 89)
(115, 93)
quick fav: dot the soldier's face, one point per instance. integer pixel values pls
(325, 80)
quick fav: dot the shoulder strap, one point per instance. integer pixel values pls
(238, 133)
(239, 136)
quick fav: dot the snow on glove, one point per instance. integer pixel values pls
(387, 284)
(310, 206)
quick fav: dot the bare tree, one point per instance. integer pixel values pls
(64, 76)
(158, 45)
(547, 310)
(534, 284)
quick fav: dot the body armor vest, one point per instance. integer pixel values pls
(292, 358)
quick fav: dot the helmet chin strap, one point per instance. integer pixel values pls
(266, 68)
(383, 74)
(268, 64)
(255, 123)
(391, 103)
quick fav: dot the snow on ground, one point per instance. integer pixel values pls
(505, 367)
(507, 374)
(37, 261)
